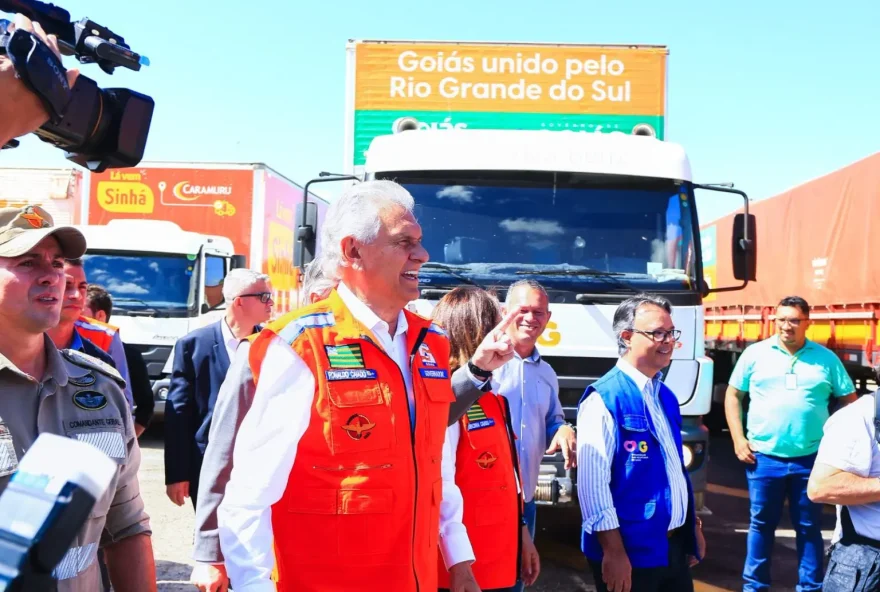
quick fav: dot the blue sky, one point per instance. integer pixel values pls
(764, 94)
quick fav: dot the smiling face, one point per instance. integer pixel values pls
(534, 315)
(31, 288)
(389, 265)
(651, 354)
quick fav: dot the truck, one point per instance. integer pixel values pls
(824, 233)
(161, 237)
(519, 184)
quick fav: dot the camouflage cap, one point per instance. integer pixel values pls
(22, 229)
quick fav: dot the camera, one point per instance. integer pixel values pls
(97, 128)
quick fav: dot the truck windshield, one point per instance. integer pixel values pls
(575, 232)
(155, 284)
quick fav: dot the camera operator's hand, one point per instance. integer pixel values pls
(21, 112)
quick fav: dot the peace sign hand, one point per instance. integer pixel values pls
(497, 348)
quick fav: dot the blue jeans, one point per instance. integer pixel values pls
(771, 480)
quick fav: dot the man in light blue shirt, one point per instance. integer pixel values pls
(790, 381)
(532, 390)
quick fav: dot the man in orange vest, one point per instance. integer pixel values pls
(336, 482)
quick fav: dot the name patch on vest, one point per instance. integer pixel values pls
(479, 425)
(426, 373)
(354, 374)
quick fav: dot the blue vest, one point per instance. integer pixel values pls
(639, 485)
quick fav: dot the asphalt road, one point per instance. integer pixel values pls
(563, 565)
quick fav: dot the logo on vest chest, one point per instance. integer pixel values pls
(638, 451)
(486, 460)
(426, 356)
(90, 400)
(358, 427)
(345, 356)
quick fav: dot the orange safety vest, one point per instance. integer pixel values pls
(486, 472)
(101, 334)
(362, 505)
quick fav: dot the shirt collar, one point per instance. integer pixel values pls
(77, 342)
(365, 315)
(776, 345)
(534, 357)
(226, 332)
(636, 375)
(55, 367)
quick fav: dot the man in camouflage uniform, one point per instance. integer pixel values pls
(70, 394)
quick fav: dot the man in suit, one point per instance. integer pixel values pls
(201, 360)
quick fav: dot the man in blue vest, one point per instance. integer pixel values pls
(640, 530)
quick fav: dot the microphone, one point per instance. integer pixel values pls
(44, 506)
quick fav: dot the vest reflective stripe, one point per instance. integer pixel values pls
(485, 471)
(101, 334)
(361, 510)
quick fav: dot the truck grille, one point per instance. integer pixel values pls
(155, 357)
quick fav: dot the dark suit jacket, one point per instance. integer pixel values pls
(200, 366)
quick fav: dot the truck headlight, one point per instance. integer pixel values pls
(162, 393)
(688, 455)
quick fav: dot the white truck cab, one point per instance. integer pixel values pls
(595, 218)
(165, 282)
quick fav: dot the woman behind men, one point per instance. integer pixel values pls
(486, 466)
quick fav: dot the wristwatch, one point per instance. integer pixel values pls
(479, 372)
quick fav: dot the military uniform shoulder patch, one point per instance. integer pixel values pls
(86, 361)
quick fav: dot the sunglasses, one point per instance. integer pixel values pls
(264, 297)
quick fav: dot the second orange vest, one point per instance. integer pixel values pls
(486, 472)
(362, 505)
(101, 334)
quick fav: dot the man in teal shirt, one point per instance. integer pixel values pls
(790, 381)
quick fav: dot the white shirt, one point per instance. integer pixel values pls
(265, 450)
(596, 446)
(849, 445)
(229, 339)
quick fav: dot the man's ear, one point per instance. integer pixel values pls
(351, 251)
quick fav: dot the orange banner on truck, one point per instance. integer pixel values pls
(585, 79)
(207, 201)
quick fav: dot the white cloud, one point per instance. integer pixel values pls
(459, 193)
(130, 272)
(117, 287)
(532, 226)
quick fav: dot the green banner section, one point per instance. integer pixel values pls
(369, 124)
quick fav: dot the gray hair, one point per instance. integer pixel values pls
(357, 214)
(238, 280)
(625, 315)
(315, 282)
(531, 284)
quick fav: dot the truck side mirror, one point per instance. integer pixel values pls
(745, 251)
(306, 233)
(238, 262)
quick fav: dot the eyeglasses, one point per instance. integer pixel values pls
(792, 322)
(264, 297)
(660, 335)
